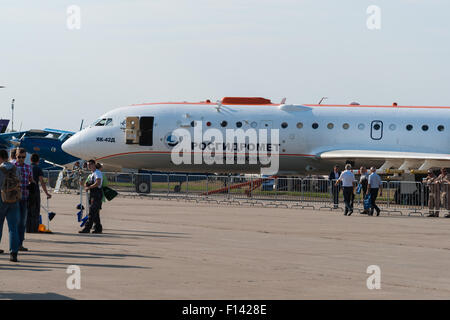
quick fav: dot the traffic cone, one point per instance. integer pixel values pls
(43, 229)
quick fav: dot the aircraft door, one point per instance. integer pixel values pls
(376, 130)
(139, 130)
(132, 130)
(146, 128)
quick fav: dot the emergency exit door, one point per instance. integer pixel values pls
(146, 131)
(376, 130)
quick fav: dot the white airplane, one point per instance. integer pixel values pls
(312, 138)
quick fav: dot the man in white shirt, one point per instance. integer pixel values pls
(348, 183)
(94, 186)
(374, 185)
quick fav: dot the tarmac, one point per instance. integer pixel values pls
(160, 249)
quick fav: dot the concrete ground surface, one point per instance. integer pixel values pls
(156, 249)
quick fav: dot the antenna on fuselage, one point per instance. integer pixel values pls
(12, 115)
(321, 100)
(81, 125)
(219, 105)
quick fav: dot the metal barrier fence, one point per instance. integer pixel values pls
(397, 197)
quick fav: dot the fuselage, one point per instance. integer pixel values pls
(305, 132)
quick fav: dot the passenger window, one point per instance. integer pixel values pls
(409, 127)
(345, 126)
(315, 125)
(425, 127)
(441, 128)
(299, 125)
(361, 126)
(284, 125)
(330, 126)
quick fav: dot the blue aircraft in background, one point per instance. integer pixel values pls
(46, 143)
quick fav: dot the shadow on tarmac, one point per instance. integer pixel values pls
(27, 263)
(31, 260)
(85, 255)
(130, 235)
(33, 296)
(19, 266)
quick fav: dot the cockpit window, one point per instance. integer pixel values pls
(103, 122)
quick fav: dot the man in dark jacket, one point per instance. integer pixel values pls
(333, 177)
(34, 199)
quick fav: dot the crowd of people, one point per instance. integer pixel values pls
(20, 199)
(370, 185)
(439, 192)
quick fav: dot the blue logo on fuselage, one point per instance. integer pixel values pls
(172, 140)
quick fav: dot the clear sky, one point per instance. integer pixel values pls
(133, 51)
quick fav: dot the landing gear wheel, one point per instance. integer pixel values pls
(143, 187)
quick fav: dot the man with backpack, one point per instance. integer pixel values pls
(9, 203)
(25, 177)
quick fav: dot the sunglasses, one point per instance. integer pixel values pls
(21, 157)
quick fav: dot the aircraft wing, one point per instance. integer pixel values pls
(383, 155)
(58, 131)
(6, 138)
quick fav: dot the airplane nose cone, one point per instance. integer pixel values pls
(72, 146)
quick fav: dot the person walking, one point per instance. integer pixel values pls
(434, 200)
(34, 199)
(364, 182)
(26, 177)
(9, 203)
(94, 186)
(335, 189)
(373, 187)
(348, 183)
